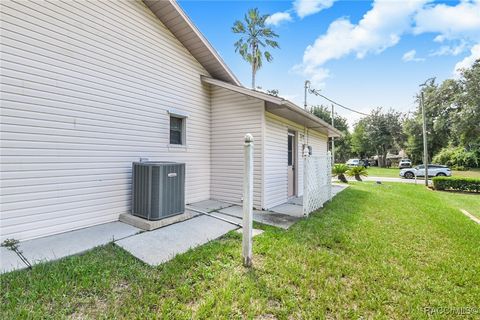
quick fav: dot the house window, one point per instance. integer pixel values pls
(177, 130)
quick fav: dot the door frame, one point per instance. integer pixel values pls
(294, 134)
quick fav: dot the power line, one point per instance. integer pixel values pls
(317, 93)
(340, 105)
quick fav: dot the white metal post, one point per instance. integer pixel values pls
(247, 201)
(333, 138)
(306, 154)
(329, 175)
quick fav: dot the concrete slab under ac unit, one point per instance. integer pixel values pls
(10, 261)
(161, 245)
(149, 225)
(74, 242)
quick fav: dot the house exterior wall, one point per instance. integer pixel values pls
(85, 91)
(275, 160)
(233, 116)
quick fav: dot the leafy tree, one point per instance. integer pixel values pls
(457, 157)
(343, 149)
(440, 104)
(412, 128)
(466, 121)
(380, 132)
(254, 36)
(360, 142)
(452, 111)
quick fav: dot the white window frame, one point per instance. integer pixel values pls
(179, 115)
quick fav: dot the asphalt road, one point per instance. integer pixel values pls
(388, 179)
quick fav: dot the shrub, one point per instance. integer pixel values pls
(457, 157)
(339, 170)
(357, 172)
(456, 184)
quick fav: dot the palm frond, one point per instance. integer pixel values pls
(238, 27)
(268, 56)
(272, 43)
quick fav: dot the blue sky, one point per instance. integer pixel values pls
(363, 54)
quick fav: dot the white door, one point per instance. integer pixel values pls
(291, 166)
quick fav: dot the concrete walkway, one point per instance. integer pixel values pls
(161, 245)
(157, 246)
(65, 244)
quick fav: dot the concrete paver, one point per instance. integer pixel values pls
(210, 205)
(161, 245)
(74, 242)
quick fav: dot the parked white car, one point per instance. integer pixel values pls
(434, 170)
(405, 163)
(353, 162)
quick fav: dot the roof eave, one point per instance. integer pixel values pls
(279, 102)
(212, 62)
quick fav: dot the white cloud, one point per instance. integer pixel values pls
(316, 74)
(305, 8)
(456, 27)
(277, 18)
(452, 22)
(467, 61)
(379, 29)
(447, 50)
(411, 56)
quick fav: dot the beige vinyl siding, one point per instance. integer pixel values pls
(85, 91)
(276, 135)
(233, 116)
(275, 161)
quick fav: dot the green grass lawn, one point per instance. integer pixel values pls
(383, 172)
(467, 201)
(376, 251)
(393, 172)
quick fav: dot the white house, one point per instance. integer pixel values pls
(89, 87)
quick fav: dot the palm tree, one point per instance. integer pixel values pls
(254, 37)
(357, 172)
(339, 170)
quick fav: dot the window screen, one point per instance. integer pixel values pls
(176, 130)
(290, 150)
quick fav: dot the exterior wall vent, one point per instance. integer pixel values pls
(158, 189)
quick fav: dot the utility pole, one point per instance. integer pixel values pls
(307, 85)
(425, 147)
(333, 138)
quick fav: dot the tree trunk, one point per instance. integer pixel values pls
(342, 178)
(254, 65)
(358, 178)
(253, 75)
